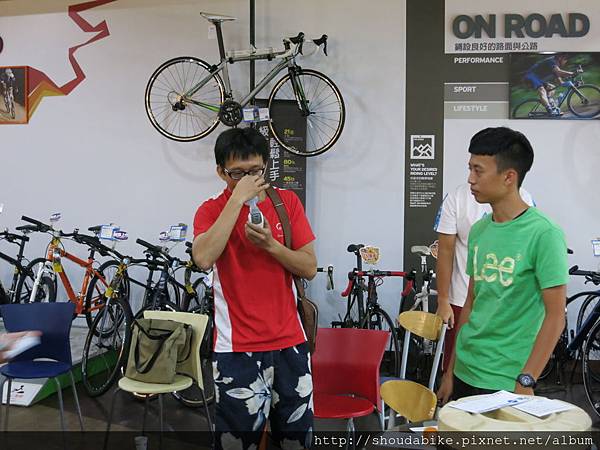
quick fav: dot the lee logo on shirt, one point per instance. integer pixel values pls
(492, 270)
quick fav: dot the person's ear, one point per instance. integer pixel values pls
(511, 177)
(221, 174)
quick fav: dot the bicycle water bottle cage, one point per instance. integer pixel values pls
(230, 113)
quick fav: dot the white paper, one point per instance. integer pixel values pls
(541, 406)
(490, 402)
(596, 247)
(422, 429)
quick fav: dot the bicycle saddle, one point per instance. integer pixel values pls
(216, 17)
(422, 250)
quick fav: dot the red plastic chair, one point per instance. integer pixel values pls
(345, 368)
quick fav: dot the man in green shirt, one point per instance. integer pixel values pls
(517, 263)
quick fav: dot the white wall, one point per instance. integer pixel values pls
(94, 156)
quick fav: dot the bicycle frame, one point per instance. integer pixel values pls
(288, 60)
(222, 67)
(18, 269)
(54, 266)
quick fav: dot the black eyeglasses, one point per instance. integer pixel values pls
(239, 174)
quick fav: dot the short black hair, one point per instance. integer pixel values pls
(511, 149)
(240, 143)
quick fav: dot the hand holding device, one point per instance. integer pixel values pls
(9, 348)
(255, 216)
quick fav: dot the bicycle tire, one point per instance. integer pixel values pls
(115, 341)
(585, 309)
(384, 322)
(97, 287)
(168, 83)
(192, 396)
(199, 300)
(318, 121)
(591, 367)
(46, 290)
(168, 303)
(524, 110)
(588, 107)
(3, 297)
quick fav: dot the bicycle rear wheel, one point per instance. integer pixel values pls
(319, 101)
(378, 319)
(106, 347)
(46, 291)
(591, 367)
(586, 102)
(179, 116)
(192, 396)
(529, 109)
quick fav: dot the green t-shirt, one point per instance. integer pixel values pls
(510, 262)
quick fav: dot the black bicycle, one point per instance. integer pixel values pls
(47, 288)
(369, 314)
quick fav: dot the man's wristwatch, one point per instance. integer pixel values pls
(526, 380)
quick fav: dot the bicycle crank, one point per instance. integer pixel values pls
(230, 113)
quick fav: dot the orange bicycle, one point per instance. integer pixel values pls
(45, 271)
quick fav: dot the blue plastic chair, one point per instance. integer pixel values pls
(54, 321)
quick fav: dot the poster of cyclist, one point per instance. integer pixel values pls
(13, 87)
(555, 86)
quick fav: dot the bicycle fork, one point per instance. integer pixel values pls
(299, 93)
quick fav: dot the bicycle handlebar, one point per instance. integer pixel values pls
(590, 276)
(157, 250)
(40, 225)
(11, 237)
(376, 274)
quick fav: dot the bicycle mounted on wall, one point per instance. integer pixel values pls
(186, 97)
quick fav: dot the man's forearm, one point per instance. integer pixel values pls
(298, 262)
(546, 340)
(444, 266)
(208, 246)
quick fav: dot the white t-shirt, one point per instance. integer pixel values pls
(457, 214)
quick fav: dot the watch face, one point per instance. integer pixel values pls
(525, 380)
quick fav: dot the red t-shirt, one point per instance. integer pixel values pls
(255, 297)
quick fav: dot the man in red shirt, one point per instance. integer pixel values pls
(261, 364)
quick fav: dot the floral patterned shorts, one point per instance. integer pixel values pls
(253, 387)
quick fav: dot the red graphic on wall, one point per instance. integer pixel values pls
(40, 84)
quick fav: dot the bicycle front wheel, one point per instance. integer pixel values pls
(46, 291)
(178, 106)
(585, 101)
(106, 347)
(318, 101)
(529, 109)
(94, 297)
(378, 319)
(586, 309)
(591, 367)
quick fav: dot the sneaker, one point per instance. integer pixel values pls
(554, 112)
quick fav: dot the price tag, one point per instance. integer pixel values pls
(107, 232)
(177, 233)
(596, 246)
(255, 114)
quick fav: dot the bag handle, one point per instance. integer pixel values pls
(287, 230)
(145, 368)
